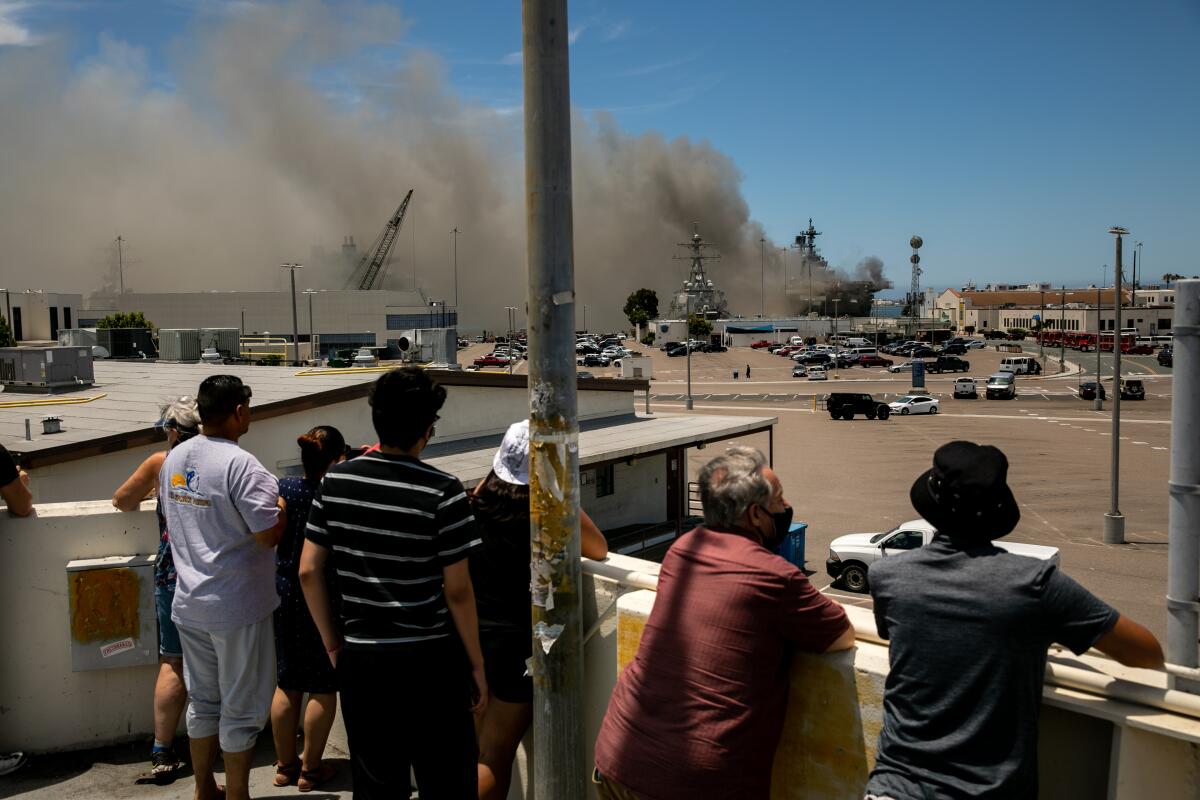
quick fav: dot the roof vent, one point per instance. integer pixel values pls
(51, 425)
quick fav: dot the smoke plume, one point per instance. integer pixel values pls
(260, 143)
(871, 269)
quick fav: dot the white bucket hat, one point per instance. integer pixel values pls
(511, 463)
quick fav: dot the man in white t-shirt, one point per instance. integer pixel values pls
(225, 516)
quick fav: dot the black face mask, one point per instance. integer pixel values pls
(782, 522)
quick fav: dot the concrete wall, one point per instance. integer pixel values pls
(470, 411)
(639, 497)
(46, 705)
(35, 312)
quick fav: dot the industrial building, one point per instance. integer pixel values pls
(1148, 311)
(38, 316)
(338, 319)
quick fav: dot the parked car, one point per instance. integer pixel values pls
(874, 361)
(922, 351)
(584, 374)
(914, 404)
(948, 364)
(1140, 350)
(1001, 386)
(714, 347)
(851, 556)
(965, 387)
(976, 344)
(1132, 389)
(678, 350)
(596, 360)
(491, 361)
(903, 366)
(760, 344)
(815, 359)
(1166, 357)
(844, 405)
(1087, 390)
(799, 371)
(955, 349)
(817, 374)
(667, 346)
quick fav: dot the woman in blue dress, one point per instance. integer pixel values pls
(302, 663)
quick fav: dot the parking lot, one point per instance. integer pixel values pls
(851, 476)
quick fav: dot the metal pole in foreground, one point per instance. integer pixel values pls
(312, 335)
(1062, 343)
(559, 762)
(295, 317)
(1114, 520)
(1183, 500)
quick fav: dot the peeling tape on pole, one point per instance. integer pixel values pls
(547, 635)
(564, 298)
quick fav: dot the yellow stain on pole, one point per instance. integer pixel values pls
(51, 401)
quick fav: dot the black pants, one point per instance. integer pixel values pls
(408, 709)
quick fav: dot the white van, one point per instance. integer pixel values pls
(859, 342)
(863, 351)
(1021, 365)
(796, 340)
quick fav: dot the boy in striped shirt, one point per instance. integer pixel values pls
(405, 638)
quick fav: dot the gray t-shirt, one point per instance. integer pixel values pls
(215, 496)
(969, 629)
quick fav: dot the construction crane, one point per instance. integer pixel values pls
(373, 268)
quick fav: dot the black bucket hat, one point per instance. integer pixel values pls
(966, 494)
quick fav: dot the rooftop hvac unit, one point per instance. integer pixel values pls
(77, 337)
(226, 341)
(126, 342)
(45, 369)
(178, 344)
(438, 346)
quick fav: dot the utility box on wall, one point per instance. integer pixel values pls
(112, 616)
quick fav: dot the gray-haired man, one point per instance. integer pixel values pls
(699, 711)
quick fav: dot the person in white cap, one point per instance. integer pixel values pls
(500, 574)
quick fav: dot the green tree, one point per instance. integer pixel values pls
(133, 319)
(641, 307)
(698, 326)
(6, 337)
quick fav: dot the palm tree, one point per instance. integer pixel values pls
(1173, 276)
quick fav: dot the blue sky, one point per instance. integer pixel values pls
(1009, 135)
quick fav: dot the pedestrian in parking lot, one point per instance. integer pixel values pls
(747, 372)
(500, 575)
(405, 640)
(301, 663)
(699, 711)
(180, 420)
(969, 626)
(225, 517)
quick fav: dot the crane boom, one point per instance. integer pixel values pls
(372, 262)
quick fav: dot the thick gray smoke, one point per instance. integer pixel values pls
(871, 269)
(256, 149)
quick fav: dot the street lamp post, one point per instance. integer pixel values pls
(1062, 342)
(1114, 520)
(687, 328)
(762, 267)
(312, 336)
(291, 268)
(512, 324)
(1098, 403)
(456, 231)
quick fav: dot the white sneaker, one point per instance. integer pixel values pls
(11, 762)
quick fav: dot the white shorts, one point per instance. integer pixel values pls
(230, 679)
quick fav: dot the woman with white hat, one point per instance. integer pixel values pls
(500, 575)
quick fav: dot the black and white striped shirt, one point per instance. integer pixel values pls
(392, 523)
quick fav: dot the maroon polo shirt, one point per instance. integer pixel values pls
(699, 710)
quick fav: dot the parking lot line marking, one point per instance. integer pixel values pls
(1140, 442)
(1158, 448)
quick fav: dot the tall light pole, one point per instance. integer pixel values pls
(1062, 320)
(1042, 327)
(121, 263)
(512, 324)
(687, 326)
(762, 268)
(312, 335)
(456, 231)
(1098, 403)
(1137, 262)
(1114, 520)
(291, 268)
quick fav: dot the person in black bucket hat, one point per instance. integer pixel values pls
(969, 625)
(965, 494)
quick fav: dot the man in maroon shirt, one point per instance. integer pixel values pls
(699, 711)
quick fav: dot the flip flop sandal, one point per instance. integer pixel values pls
(312, 778)
(286, 774)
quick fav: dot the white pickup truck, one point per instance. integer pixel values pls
(851, 556)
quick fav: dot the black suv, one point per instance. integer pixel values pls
(948, 364)
(1166, 357)
(844, 405)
